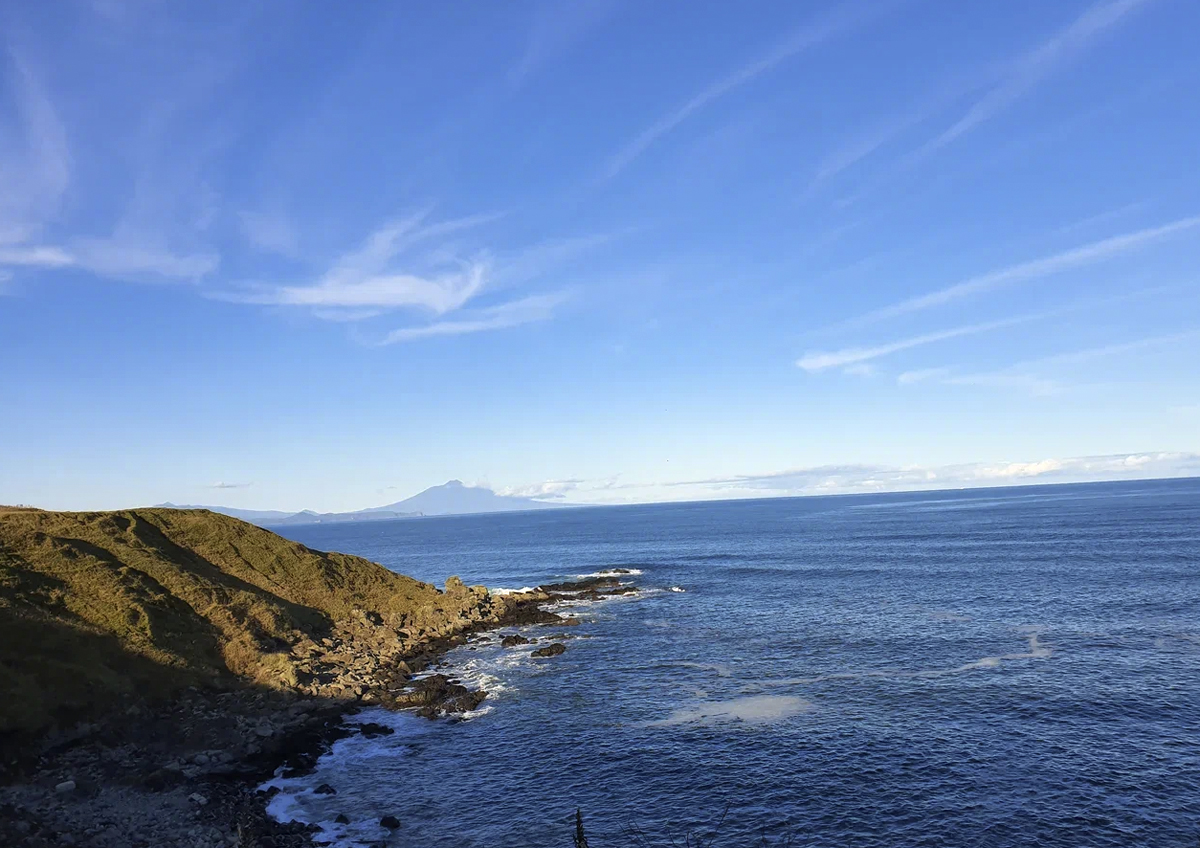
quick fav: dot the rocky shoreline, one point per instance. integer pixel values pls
(186, 772)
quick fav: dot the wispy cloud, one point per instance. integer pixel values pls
(439, 293)
(116, 257)
(799, 40)
(863, 478)
(36, 167)
(920, 375)
(368, 278)
(865, 145)
(37, 256)
(269, 232)
(142, 259)
(35, 162)
(837, 479)
(1101, 217)
(1088, 254)
(820, 361)
(1029, 383)
(1028, 375)
(524, 311)
(1026, 72)
(555, 28)
(545, 490)
(860, 369)
(221, 485)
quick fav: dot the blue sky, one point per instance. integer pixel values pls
(267, 255)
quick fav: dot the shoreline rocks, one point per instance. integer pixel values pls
(185, 772)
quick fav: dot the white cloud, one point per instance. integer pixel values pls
(860, 369)
(524, 311)
(368, 278)
(129, 259)
(867, 478)
(819, 361)
(1030, 69)
(796, 42)
(117, 258)
(439, 294)
(38, 256)
(1035, 269)
(546, 490)
(35, 161)
(1031, 383)
(268, 232)
(556, 27)
(920, 375)
(220, 485)
(1021, 375)
(1010, 470)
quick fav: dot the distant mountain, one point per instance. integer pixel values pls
(453, 498)
(254, 516)
(310, 517)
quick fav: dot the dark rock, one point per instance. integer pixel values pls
(438, 694)
(371, 730)
(324, 789)
(587, 584)
(570, 622)
(341, 818)
(550, 650)
(390, 822)
(511, 641)
(529, 613)
(160, 780)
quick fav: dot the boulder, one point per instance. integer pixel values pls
(512, 641)
(371, 730)
(438, 694)
(324, 789)
(390, 822)
(550, 650)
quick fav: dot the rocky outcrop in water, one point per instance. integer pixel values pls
(552, 650)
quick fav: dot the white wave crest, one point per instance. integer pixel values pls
(611, 572)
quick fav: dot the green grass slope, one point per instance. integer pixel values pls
(98, 606)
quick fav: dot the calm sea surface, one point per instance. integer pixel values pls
(993, 668)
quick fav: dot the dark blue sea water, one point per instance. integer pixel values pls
(1016, 667)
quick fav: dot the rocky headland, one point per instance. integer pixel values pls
(156, 666)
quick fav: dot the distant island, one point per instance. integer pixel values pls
(450, 498)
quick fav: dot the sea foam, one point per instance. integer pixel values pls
(750, 710)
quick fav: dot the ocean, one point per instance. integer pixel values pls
(994, 667)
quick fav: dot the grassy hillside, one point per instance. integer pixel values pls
(97, 606)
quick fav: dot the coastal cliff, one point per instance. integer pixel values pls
(155, 664)
(99, 607)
